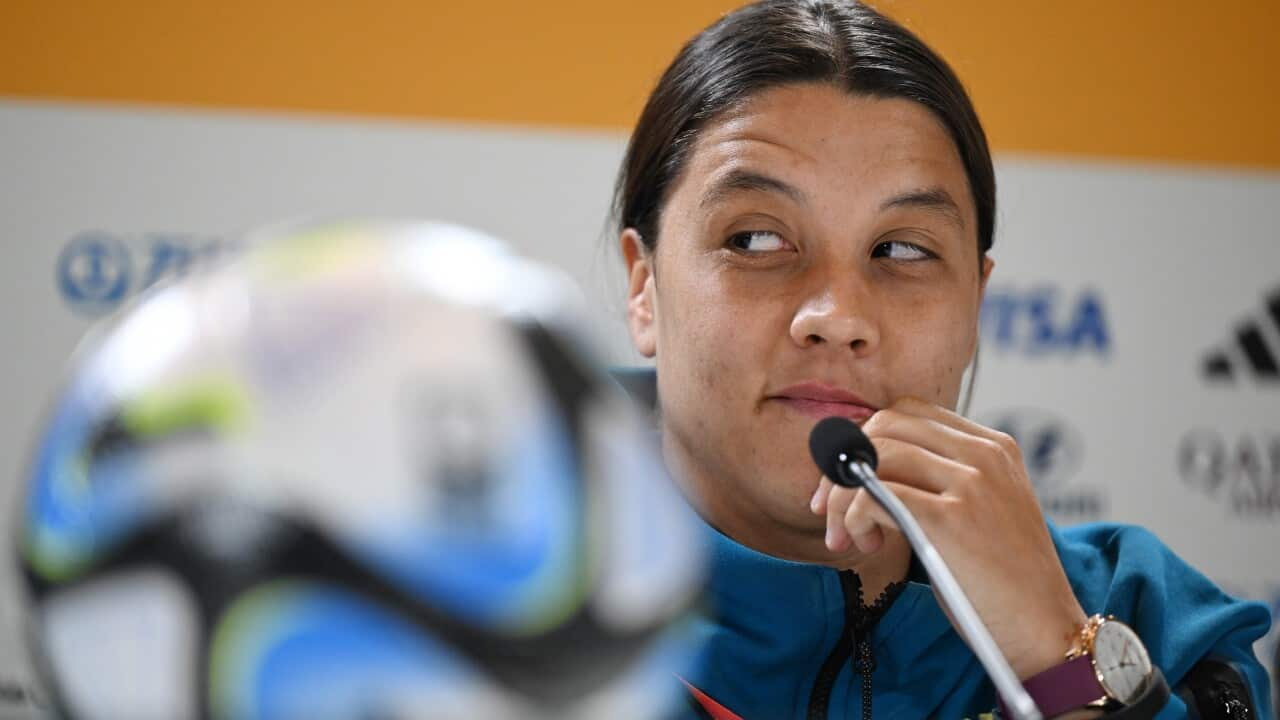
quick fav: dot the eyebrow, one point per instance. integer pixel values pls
(934, 199)
(737, 181)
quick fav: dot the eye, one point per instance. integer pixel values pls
(757, 241)
(899, 250)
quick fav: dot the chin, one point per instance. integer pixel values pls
(790, 499)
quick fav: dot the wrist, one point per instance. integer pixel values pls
(1057, 639)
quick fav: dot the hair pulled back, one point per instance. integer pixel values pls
(779, 42)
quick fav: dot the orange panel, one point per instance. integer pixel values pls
(1181, 80)
(1175, 81)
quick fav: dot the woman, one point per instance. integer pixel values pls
(805, 211)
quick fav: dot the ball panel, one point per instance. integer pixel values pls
(107, 637)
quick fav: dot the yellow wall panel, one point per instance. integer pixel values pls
(1177, 81)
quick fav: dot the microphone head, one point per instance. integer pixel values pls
(835, 441)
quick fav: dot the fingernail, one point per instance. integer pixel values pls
(813, 501)
(830, 537)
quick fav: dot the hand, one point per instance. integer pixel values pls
(967, 488)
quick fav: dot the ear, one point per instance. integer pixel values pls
(987, 266)
(642, 299)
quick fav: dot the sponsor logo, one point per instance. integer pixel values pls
(1052, 451)
(1253, 351)
(1242, 472)
(94, 271)
(1045, 320)
(97, 271)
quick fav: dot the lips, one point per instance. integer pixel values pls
(819, 400)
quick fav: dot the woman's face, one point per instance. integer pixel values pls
(818, 256)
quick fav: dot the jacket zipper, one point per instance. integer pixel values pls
(854, 645)
(864, 664)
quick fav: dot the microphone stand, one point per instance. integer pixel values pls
(969, 625)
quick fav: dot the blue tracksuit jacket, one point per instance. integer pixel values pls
(784, 639)
(779, 645)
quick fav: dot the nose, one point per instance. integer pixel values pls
(838, 314)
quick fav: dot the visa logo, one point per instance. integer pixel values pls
(1045, 320)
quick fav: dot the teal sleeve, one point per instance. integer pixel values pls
(1181, 616)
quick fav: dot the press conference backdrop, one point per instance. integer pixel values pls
(1130, 337)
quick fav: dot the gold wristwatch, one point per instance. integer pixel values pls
(1120, 660)
(1108, 664)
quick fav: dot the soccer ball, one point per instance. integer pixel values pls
(364, 469)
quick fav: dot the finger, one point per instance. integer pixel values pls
(861, 518)
(838, 501)
(818, 503)
(939, 438)
(925, 432)
(869, 540)
(911, 464)
(943, 416)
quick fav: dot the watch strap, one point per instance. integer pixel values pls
(1149, 704)
(1065, 687)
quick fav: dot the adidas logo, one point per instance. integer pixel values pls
(1255, 349)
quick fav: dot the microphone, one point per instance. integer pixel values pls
(834, 443)
(846, 456)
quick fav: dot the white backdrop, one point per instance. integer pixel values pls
(1113, 287)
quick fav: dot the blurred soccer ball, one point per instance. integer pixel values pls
(363, 470)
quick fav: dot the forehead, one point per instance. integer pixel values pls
(827, 142)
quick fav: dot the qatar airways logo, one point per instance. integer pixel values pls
(1239, 470)
(1045, 320)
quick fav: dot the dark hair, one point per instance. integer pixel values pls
(779, 42)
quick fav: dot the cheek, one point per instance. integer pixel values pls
(711, 340)
(692, 330)
(936, 344)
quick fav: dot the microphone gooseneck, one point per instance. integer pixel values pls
(846, 456)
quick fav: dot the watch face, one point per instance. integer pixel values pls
(1121, 661)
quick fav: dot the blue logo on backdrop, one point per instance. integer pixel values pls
(97, 271)
(94, 271)
(1052, 451)
(1044, 320)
